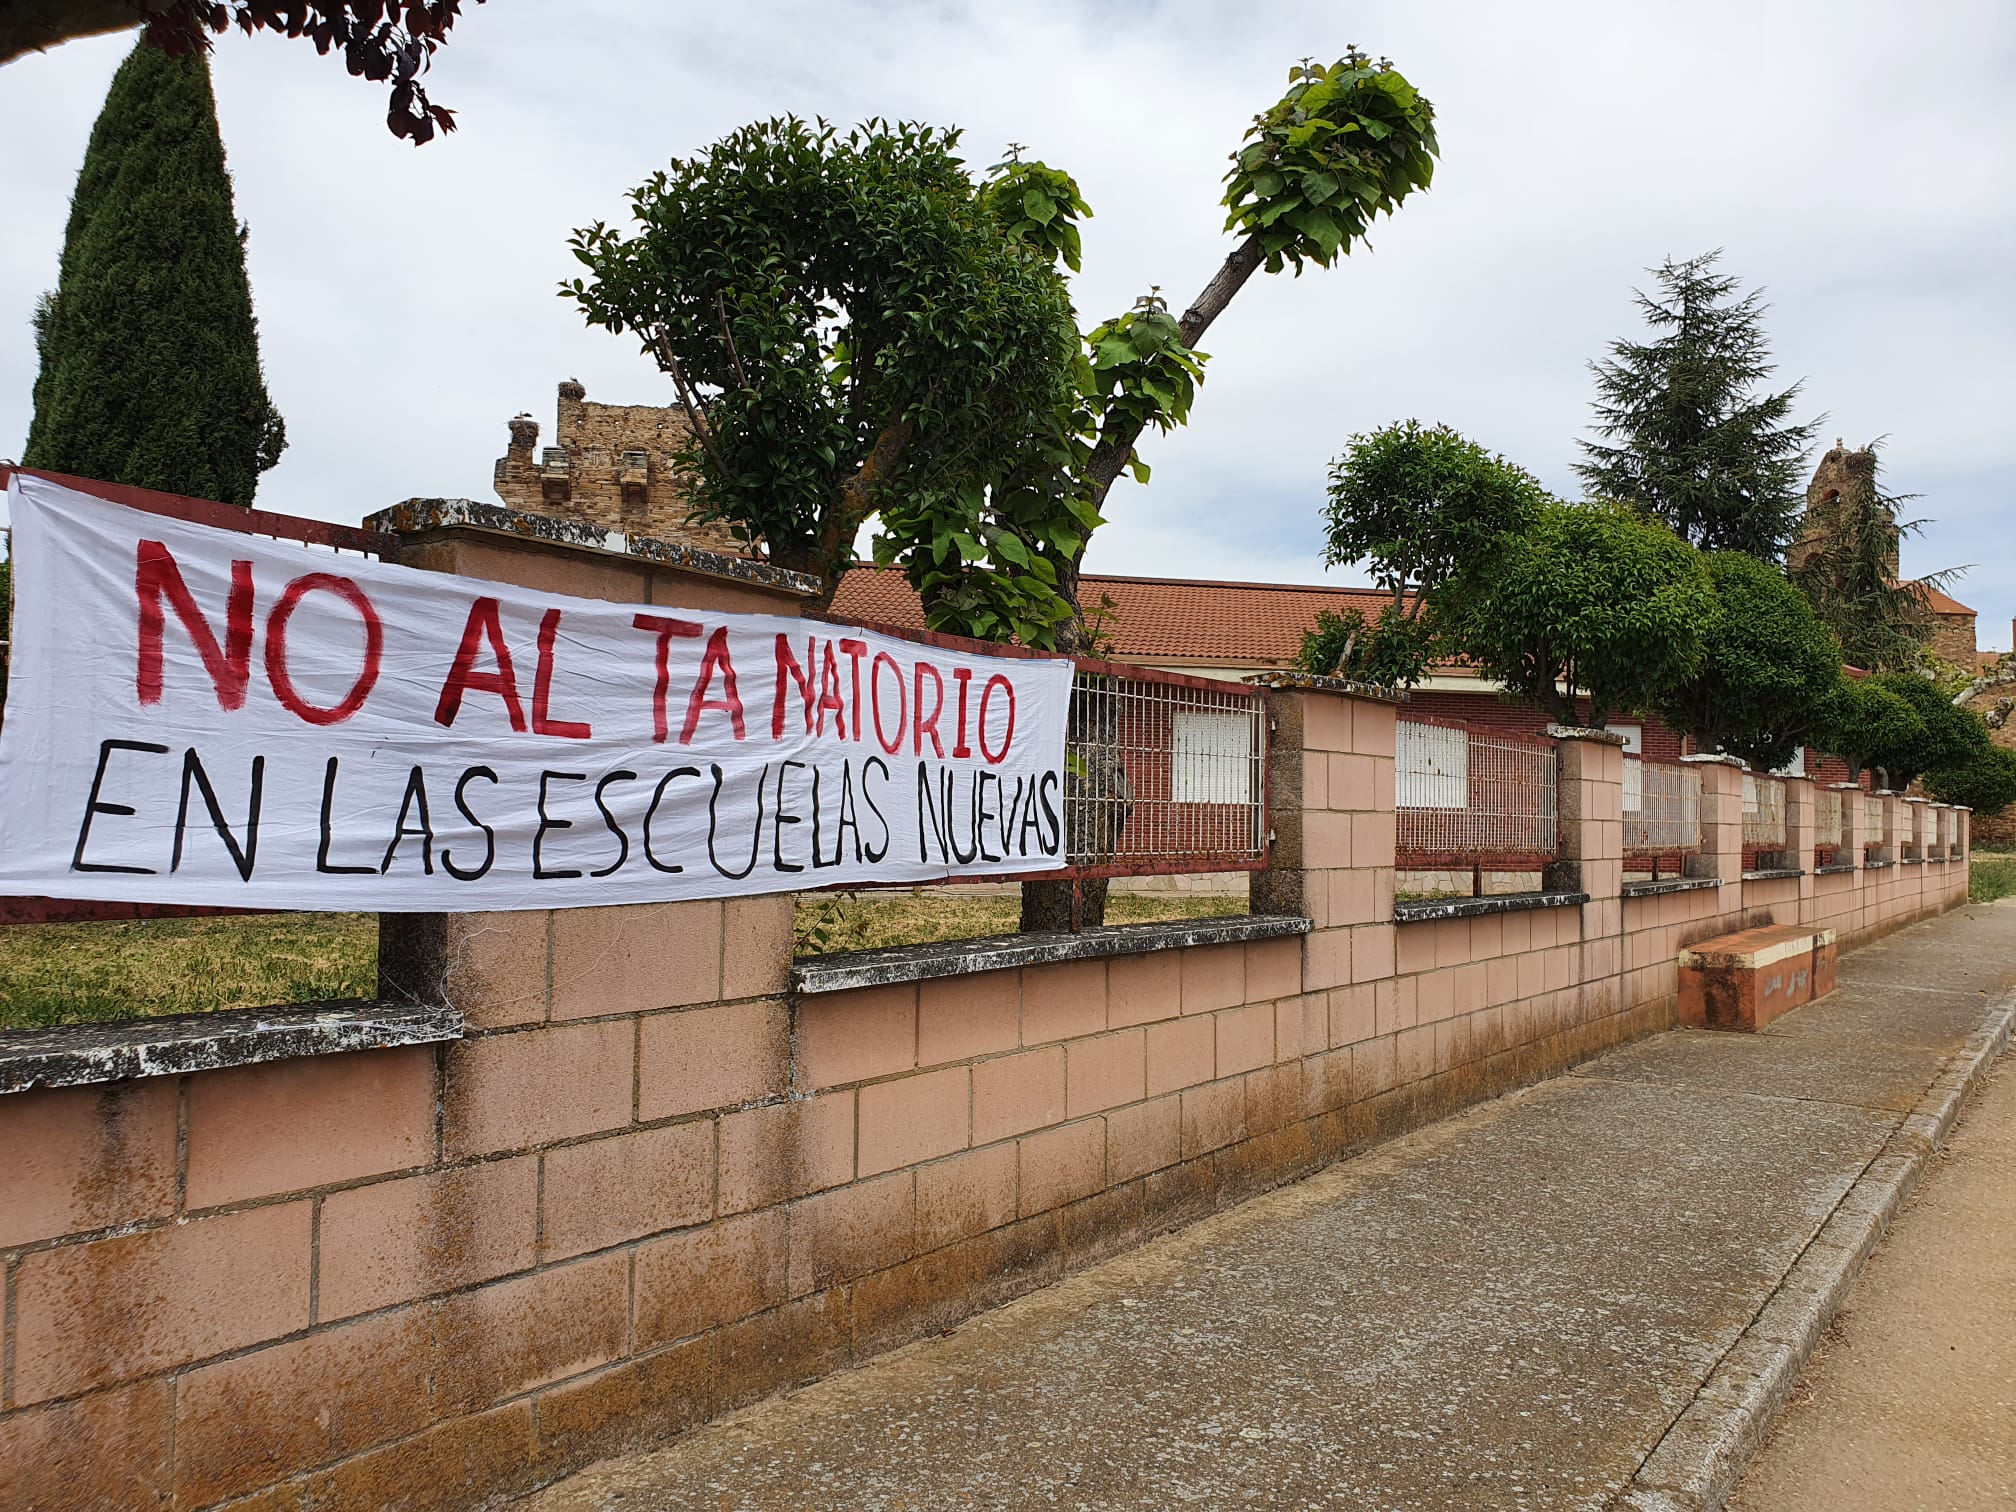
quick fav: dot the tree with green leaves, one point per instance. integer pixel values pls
(987, 477)
(1861, 720)
(1845, 562)
(1347, 143)
(1591, 601)
(846, 324)
(1944, 736)
(988, 502)
(1767, 667)
(1686, 432)
(1416, 503)
(1985, 782)
(150, 370)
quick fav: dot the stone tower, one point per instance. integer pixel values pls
(612, 465)
(1843, 476)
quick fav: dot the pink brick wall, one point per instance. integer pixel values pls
(648, 1187)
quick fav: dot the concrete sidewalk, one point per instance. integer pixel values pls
(1552, 1301)
(1909, 1403)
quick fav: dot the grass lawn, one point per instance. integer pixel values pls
(78, 973)
(74, 973)
(867, 921)
(1990, 877)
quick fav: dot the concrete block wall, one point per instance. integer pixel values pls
(650, 1185)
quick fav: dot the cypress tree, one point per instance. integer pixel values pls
(150, 369)
(1695, 444)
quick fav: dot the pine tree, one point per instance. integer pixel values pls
(1694, 443)
(150, 353)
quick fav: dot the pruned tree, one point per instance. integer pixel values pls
(834, 371)
(1984, 782)
(1862, 721)
(386, 41)
(1416, 504)
(1592, 601)
(846, 325)
(150, 371)
(1687, 433)
(1944, 736)
(1767, 667)
(1347, 143)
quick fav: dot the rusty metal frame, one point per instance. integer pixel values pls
(1479, 859)
(1189, 863)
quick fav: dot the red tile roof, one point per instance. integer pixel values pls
(1155, 619)
(1945, 603)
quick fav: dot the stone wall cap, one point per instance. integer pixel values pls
(849, 969)
(1426, 910)
(415, 516)
(1577, 732)
(1377, 692)
(1648, 888)
(74, 1055)
(1717, 758)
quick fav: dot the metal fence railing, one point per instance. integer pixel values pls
(1763, 821)
(1827, 826)
(1163, 774)
(1471, 799)
(1662, 816)
(322, 534)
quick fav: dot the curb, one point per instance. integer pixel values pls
(1705, 1451)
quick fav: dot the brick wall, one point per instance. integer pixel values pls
(649, 1186)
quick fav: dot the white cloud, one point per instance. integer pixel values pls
(1853, 157)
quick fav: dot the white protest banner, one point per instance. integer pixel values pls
(203, 717)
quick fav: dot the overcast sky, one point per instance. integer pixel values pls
(1856, 159)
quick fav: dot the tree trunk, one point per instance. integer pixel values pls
(1053, 900)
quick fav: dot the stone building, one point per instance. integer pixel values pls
(612, 465)
(1845, 475)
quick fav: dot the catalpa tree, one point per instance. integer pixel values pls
(860, 329)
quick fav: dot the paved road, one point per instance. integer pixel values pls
(1503, 1311)
(1912, 1402)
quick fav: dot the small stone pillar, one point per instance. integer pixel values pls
(1915, 837)
(1721, 815)
(1330, 797)
(1590, 803)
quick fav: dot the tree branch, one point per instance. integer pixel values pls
(856, 503)
(728, 339)
(1109, 457)
(696, 414)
